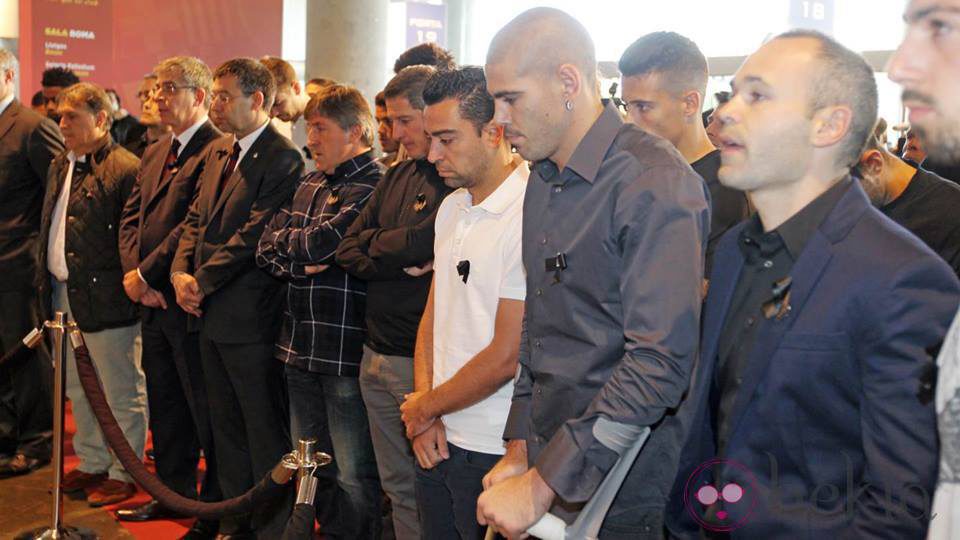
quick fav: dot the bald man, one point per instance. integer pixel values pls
(927, 66)
(614, 232)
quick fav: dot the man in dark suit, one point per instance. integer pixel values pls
(28, 143)
(246, 179)
(810, 412)
(149, 233)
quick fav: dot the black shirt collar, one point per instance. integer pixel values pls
(588, 156)
(351, 166)
(796, 231)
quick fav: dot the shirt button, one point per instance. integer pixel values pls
(543, 240)
(749, 322)
(739, 380)
(539, 292)
(768, 264)
(538, 345)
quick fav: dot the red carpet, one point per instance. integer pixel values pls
(150, 530)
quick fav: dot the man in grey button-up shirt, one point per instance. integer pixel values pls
(614, 232)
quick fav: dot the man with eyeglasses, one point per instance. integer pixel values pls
(149, 232)
(246, 178)
(149, 117)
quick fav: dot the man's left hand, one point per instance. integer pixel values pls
(413, 414)
(516, 504)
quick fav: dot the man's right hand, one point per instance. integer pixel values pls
(430, 447)
(188, 293)
(513, 463)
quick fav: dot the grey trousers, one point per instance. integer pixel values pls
(384, 380)
(116, 356)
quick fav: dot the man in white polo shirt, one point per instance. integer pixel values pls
(469, 338)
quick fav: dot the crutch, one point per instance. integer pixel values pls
(624, 439)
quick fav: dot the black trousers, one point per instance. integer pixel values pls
(249, 422)
(26, 384)
(179, 413)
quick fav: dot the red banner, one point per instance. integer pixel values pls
(115, 42)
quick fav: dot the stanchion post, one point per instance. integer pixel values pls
(58, 329)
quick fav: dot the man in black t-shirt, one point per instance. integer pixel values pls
(922, 202)
(664, 83)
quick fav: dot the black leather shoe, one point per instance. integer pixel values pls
(202, 530)
(147, 512)
(21, 464)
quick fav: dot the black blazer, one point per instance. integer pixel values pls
(153, 215)
(219, 241)
(834, 395)
(28, 144)
(95, 285)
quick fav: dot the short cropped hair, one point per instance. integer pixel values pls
(252, 76)
(37, 99)
(379, 100)
(321, 81)
(283, 73)
(409, 84)
(425, 54)
(469, 87)
(675, 58)
(187, 71)
(87, 95)
(843, 77)
(346, 106)
(59, 77)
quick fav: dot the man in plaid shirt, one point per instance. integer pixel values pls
(321, 341)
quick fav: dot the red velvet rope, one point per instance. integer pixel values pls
(264, 491)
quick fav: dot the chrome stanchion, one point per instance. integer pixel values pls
(58, 328)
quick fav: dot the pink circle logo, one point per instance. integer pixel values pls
(712, 505)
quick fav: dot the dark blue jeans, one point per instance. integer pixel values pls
(330, 409)
(447, 494)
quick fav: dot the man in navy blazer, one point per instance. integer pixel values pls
(810, 410)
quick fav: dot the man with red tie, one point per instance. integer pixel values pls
(246, 178)
(149, 232)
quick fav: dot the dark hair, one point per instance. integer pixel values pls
(283, 73)
(112, 92)
(379, 100)
(468, 86)
(320, 81)
(37, 99)
(409, 83)
(88, 95)
(59, 77)
(252, 76)
(675, 57)
(425, 54)
(843, 78)
(346, 106)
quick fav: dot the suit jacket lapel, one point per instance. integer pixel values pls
(244, 169)
(8, 117)
(152, 179)
(805, 274)
(218, 160)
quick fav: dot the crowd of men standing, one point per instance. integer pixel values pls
(457, 318)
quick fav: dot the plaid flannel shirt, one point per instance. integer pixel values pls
(323, 327)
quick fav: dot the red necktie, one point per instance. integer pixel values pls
(169, 165)
(230, 166)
